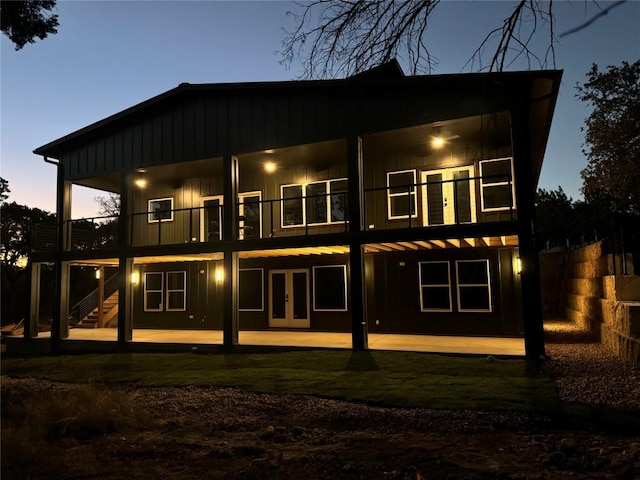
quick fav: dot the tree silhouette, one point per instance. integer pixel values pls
(24, 20)
(339, 38)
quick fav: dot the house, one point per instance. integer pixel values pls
(377, 203)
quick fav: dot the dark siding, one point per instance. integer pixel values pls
(396, 290)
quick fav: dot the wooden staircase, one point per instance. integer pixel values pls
(109, 312)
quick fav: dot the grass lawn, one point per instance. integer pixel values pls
(405, 379)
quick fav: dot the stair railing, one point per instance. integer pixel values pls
(90, 302)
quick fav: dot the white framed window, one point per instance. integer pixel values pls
(435, 287)
(330, 288)
(497, 190)
(153, 291)
(160, 210)
(251, 290)
(315, 203)
(250, 212)
(401, 195)
(176, 291)
(474, 285)
(292, 205)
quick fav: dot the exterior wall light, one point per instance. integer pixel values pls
(135, 278)
(97, 274)
(140, 182)
(219, 275)
(518, 265)
(270, 167)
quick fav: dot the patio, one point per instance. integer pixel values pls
(377, 341)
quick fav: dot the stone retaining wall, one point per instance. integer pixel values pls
(585, 287)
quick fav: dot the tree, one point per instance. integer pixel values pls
(554, 215)
(612, 136)
(17, 225)
(343, 37)
(24, 20)
(4, 190)
(109, 206)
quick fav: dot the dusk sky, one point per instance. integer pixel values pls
(110, 55)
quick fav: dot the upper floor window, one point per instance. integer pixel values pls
(250, 215)
(160, 209)
(401, 194)
(496, 185)
(316, 203)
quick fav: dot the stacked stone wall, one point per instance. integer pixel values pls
(588, 285)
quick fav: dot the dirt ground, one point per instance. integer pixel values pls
(230, 434)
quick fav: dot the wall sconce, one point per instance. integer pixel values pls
(140, 182)
(219, 275)
(135, 278)
(518, 265)
(97, 274)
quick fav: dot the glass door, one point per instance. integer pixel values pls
(289, 298)
(448, 196)
(211, 219)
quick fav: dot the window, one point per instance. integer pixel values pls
(338, 200)
(251, 290)
(330, 288)
(250, 211)
(176, 291)
(435, 287)
(496, 185)
(401, 194)
(153, 291)
(160, 210)
(317, 203)
(474, 289)
(292, 209)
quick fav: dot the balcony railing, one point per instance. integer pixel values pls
(444, 202)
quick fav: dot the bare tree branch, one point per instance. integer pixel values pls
(339, 38)
(600, 14)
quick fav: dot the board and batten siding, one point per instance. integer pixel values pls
(200, 123)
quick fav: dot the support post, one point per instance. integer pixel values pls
(230, 262)
(31, 327)
(525, 195)
(125, 267)
(355, 206)
(60, 321)
(101, 296)
(125, 299)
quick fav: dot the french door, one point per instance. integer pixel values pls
(448, 196)
(211, 219)
(289, 298)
